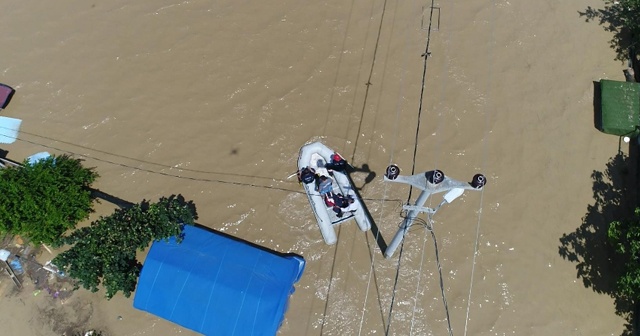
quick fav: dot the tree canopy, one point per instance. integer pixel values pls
(622, 18)
(43, 200)
(625, 238)
(105, 252)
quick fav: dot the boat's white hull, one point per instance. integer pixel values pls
(315, 155)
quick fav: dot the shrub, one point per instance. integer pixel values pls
(43, 200)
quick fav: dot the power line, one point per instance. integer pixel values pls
(130, 158)
(198, 179)
(368, 83)
(415, 151)
(424, 76)
(442, 291)
(391, 157)
(485, 146)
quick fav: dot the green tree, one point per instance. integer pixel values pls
(622, 18)
(625, 238)
(105, 252)
(43, 200)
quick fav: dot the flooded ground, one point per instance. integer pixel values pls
(213, 99)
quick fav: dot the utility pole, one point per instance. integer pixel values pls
(430, 182)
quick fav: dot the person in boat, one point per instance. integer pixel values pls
(325, 185)
(337, 163)
(344, 204)
(306, 175)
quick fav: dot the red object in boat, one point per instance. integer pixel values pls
(6, 92)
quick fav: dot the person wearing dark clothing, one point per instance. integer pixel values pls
(337, 163)
(342, 204)
(306, 175)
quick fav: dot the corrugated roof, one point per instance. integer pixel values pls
(217, 285)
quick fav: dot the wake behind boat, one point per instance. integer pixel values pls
(335, 201)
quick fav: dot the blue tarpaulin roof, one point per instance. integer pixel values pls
(217, 285)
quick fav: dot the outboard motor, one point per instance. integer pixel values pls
(434, 176)
(392, 172)
(478, 181)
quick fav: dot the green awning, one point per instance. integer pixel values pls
(620, 107)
